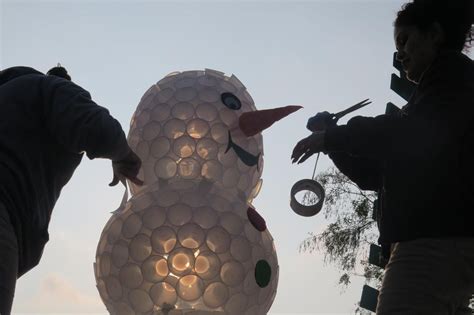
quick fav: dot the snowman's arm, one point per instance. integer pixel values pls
(366, 173)
(78, 123)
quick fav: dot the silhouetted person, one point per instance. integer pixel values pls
(421, 162)
(46, 123)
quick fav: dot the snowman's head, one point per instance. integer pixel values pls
(200, 125)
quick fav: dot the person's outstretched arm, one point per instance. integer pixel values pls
(80, 125)
(445, 100)
(366, 173)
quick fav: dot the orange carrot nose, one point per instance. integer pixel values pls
(254, 122)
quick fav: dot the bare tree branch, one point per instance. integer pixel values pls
(351, 228)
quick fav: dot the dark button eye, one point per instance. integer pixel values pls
(231, 101)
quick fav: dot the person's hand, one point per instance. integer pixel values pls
(308, 146)
(127, 168)
(321, 121)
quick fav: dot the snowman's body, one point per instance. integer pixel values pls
(188, 241)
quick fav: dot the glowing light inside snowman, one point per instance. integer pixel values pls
(189, 239)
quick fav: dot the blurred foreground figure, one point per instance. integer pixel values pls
(46, 123)
(420, 161)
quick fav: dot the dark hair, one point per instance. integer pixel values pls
(455, 17)
(59, 71)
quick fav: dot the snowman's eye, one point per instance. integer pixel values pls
(231, 101)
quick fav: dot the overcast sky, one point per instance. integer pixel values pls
(324, 55)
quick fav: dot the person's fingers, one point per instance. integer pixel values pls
(305, 156)
(129, 172)
(300, 152)
(129, 163)
(296, 155)
(114, 181)
(136, 181)
(300, 148)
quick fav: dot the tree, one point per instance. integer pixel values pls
(345, 241)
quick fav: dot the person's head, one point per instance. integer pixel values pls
(59, 71)
(425, 28)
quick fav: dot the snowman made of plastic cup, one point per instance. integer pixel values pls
(189, 241)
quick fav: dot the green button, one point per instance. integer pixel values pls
(263, 273)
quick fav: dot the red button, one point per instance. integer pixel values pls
(256, 219)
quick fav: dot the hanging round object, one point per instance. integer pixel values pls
(307, 197)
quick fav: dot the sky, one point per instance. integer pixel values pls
(323, 55)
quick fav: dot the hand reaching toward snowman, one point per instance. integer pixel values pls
(308, 146)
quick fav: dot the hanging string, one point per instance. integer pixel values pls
(316, 164)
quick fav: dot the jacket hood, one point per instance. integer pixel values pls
(15, 72)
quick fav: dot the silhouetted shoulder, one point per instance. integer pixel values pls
(451, 65)
(15, 72)
(449, 78)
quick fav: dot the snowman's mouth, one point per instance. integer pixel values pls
(246, 157)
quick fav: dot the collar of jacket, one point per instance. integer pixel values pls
(444, 57)
(447, 63)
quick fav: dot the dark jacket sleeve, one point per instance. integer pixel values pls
(383, 137)
(364, 172)
(79, 124)
(445, 96)
(467, 163)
